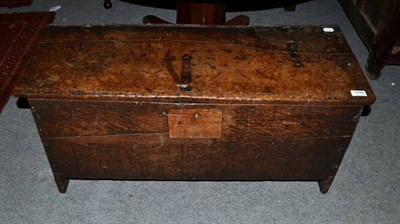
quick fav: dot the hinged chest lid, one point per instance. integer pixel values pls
(300, 65)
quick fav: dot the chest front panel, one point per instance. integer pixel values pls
(122, 140)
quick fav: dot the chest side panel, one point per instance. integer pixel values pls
(65, 118)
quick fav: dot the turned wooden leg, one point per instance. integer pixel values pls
(62, 183)
(206, 13)
(240, 20)
(201, 13)
(324, 185)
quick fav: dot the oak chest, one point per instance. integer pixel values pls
(195, 103)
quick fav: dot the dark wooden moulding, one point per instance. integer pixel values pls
(195, 102)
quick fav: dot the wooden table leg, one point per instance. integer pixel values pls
(380, 53)
(204, 13)
(207, 13)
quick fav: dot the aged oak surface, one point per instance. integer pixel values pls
(241, 64)
(194, 103)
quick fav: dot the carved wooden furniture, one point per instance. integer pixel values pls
(378, 24)
(195, 103)
(206, 12)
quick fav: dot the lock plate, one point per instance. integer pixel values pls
(195, 123)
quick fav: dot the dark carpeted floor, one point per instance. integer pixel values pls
(364, 191)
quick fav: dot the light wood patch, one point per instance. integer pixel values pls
(194, 123)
